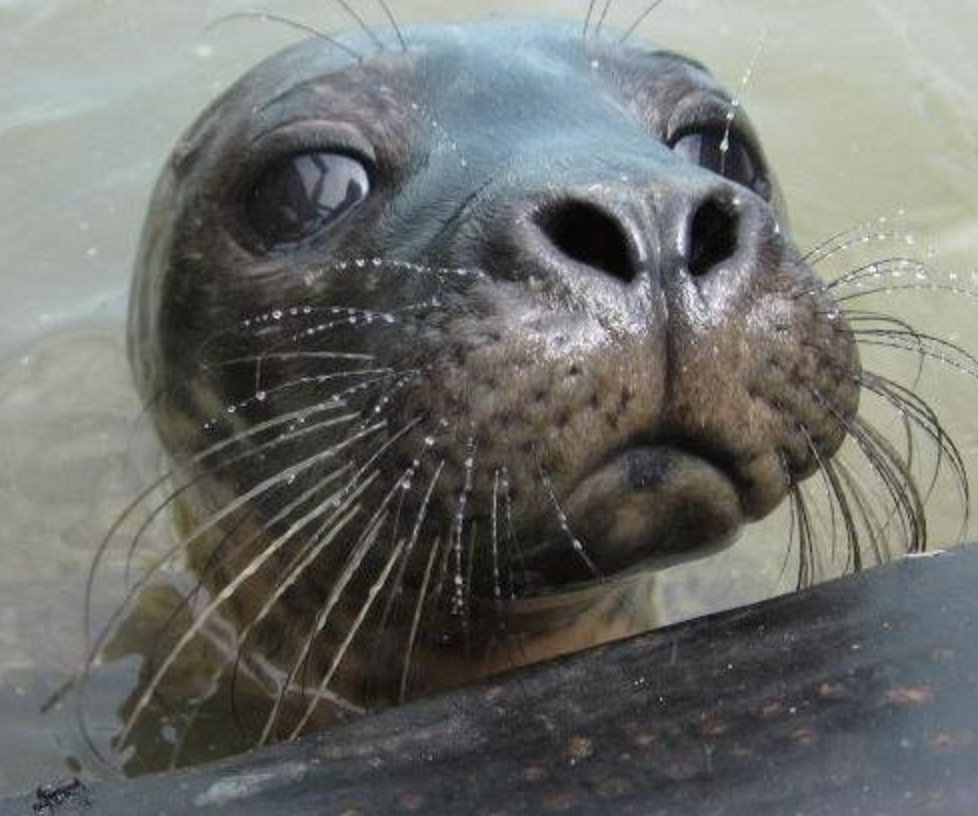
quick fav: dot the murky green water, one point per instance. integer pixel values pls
(866, 107)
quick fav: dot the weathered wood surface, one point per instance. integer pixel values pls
(857, 697)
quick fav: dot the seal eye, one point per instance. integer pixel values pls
(725, 153)
(301, 195)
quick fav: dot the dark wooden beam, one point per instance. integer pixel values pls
(856, 697)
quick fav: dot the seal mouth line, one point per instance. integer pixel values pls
(718, 456)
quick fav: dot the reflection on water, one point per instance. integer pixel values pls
(864, 108)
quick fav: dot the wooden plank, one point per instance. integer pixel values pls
(856, 697)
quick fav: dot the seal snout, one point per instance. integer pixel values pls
(617, 234)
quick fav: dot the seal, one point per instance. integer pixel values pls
(453, 339)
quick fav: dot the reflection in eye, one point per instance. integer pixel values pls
(726, 154)
(303, 194)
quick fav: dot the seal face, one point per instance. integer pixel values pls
(446, 340)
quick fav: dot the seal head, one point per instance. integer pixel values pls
(524, 304)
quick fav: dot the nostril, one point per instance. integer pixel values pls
(712, 236)
(589, 236)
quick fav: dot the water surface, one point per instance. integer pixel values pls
(867, 108)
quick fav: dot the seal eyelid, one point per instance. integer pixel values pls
(299, 196)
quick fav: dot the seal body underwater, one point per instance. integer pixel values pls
(453, 343)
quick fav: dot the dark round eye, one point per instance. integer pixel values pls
(726, 153)
(303, 194)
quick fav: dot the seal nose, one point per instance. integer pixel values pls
(706, 234)
(586, 234)
(712, 231)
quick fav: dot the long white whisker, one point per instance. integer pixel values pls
(416, 620)
(363, 546)
(360, 550)
(249, 571)
(576, 544)
(351, 633)
(458, 595)
(214, 519)
(496, 587)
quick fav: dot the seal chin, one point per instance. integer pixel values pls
(653, 505)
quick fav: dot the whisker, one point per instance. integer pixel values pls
(397, 589)
(416, 620)
(262, 394)
(444, 274)
(420, 518)
(352, 13)
(291, 355)
(602, 17)
(473, 534)
(826, 481)
(587, 19)
(639, 20)
(803, 523)
(513, 542)
(350, 568)
(247, 572)
(789, 485)
(875, 527)
(389, 13)
(354, 628)
(892, 267)
(890, 289)
(970, 369)
(307, 556)
(96, 644)
(859, 235)
(845, 510)
(196, 460)
(735, 102)
(346, 317)
(854, 318)
(268, 17)
(300, 665)
(458, 526)
(892, 472)
(497, 590)
(576, 544)
(280, 318)
(870, 279)
(916, 411)
(359, 552)
(297, 427)
(226, 511)
(269, 483)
